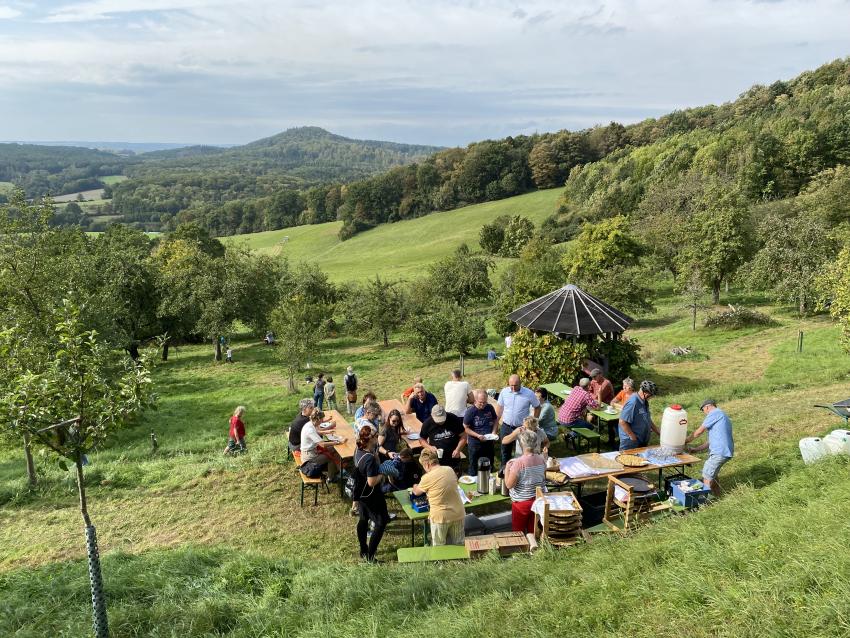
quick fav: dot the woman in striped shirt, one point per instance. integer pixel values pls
(522, 476)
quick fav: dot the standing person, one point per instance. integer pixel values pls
(523, 476)
(445, 513)
(548, 423)
(367, 492)
(350, 381)
(420, 403)
(305, 407)
(228, 357)
(316, 449)
(458, 394)
(623, 395)
(508, 342)
(720, 445)
(480, 420)
(575, 406)
(319, 390)
(636, 424)
(600, 387)
(443, 434)
(236, 440)
(330, 393)
(515, 402)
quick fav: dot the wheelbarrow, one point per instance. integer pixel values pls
(840, 408)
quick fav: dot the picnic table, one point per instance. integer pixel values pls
(343, 429)
(411, 423)
(558, 389)
(403, 498)
(681, 461)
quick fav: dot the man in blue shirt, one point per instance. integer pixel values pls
(636, 424)
(515, 403)
(420, 403)
(720, 445)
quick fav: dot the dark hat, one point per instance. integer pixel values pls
(708, 402)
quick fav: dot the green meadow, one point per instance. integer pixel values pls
(198, 544)
(401, 250)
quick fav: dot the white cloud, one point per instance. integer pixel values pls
(603, 60)
(7, 13)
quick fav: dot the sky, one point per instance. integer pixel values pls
(441, 72)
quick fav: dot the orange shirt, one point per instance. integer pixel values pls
(622, 397)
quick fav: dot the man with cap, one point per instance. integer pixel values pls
(600, 387)
(720, 445)
(636, 424)
(443, 433)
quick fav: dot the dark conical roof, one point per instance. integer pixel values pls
(570, 311)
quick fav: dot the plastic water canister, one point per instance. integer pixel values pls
(838, 442)
(674, 428)
(813, 448)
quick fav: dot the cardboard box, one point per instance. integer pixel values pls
(477, 546)
(511, 543)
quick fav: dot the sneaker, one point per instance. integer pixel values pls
(355, 509)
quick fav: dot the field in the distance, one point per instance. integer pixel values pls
(401, 250)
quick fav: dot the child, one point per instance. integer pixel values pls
(229, 358)
(408, 472)
(330, 393)
(236, 442)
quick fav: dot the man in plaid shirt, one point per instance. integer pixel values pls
(576, 405)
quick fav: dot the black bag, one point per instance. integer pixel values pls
(350, 382)
(355, 483)
(311, 469)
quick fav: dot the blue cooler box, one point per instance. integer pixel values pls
(691, 497)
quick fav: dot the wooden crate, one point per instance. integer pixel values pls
(477, 546)
(511, 543)
(560, 527)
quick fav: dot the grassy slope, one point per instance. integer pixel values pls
(398, 250)
(766, 550)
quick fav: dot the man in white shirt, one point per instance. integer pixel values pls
(458, 394)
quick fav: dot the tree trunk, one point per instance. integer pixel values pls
(165, 345)
(727, 286)
(133, 349)
(715, 292)
(217, 349)
(98, 600)
(32, 479)
(386, 339)
(694, 308)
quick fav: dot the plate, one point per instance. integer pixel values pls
(466, 479)
(413, 436)
(491, 437)
(610, 411)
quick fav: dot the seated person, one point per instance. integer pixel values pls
(420, 403)
(314, 448)
(409, 472)
(575, 406)
(390, 434)
(443, 434)
(547, 420)
(625, 394)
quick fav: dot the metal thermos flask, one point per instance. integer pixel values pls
(483, 476)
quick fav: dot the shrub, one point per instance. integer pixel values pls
(543, 358)
(739, 317)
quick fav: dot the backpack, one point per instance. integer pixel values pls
(355, 484)
(350, 382)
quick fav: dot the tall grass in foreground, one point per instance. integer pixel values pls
(769, 562)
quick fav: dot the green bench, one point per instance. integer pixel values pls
(429, 554)
(587, 435)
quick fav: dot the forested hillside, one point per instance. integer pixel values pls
(40, 170)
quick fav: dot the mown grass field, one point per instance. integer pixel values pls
(6, 188)
(197, 544)
(112, 179)
(401, 250)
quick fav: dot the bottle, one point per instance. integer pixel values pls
(493, 485)
(483, 476)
